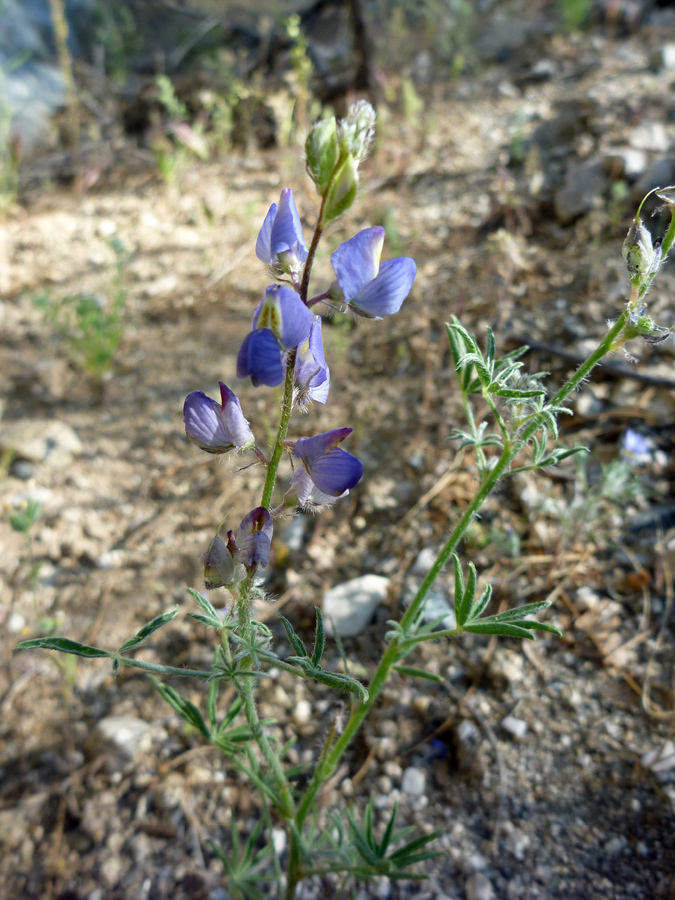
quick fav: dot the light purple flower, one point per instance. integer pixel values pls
(283, 312)
(327, 472)
(371, 289)
(280, 241)
(216, 427)
(312, 378)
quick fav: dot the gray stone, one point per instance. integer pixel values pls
(349, 607)
(659, 173)
(38, 440)
(479, 887)
(123, 737)
(575, 198)
(414, 782)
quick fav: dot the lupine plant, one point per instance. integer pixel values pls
(311, 471)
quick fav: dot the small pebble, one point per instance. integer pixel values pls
(517, 728)
(479, 887)
(414, 782)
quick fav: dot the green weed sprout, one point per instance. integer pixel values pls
(92, 325)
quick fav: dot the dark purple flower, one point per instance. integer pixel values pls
(312, 378)
(371, 289)
(261, 357)
(216, 427)
(280, 242)
(224, 563)
(219, 565)
(254, 538)
(327, 472)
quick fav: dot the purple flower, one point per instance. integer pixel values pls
(371, 289)
(312, 378)
(216, 427)
(224, 563)
(327, 472)
(254, 538)
(280, 322)
(261, 357)
(280, 241)
(219, 565)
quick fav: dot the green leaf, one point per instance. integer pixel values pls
(319, 638)
(460, 589)
(399, 855)
(185, 708)
(212, 703)
(505, 629)
(514, 394)
(418, 673)
(211, 616)
(148, 629)
(388, 832)
(490, 350)
(340, 682)
(479, 606)
(519, 612)
(295, 641)
(64, 645)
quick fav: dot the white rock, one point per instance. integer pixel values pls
(660, 759)
(350, 606)
(127, 735)
(279, 838)
(414, 782)
(302, 712)
(479, 887)
(517, 728)
(16, 623)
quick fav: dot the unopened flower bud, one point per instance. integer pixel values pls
(642, 257)
(219, 567)
(341, 192)
(356, 132)
(322, 152)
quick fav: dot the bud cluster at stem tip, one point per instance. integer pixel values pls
(334, 152)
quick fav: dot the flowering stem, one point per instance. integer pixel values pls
(245, 687)
(286, 410)
(309, 262)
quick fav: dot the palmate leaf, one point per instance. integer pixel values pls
(64, 645)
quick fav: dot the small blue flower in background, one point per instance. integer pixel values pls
(636, 446)
(216, 427)
(280, 241)
(312, 378)
(371, 289)
(327, 472)
(280, 322)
